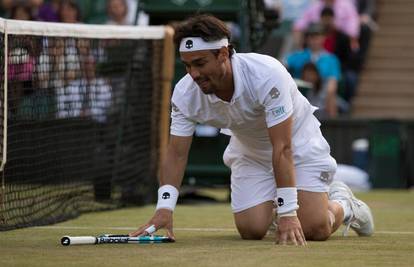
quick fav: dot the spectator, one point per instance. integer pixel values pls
(69, 12)
(20, 71)
(346, 19)
(89, 96)
(366, 10)
(21, 12)
(328, 102)
(49, 11)
(339, 44)
(5, 8)
(293, 10)
(117, 11)
(327, 64)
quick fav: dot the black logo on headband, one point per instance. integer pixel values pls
(189, 44)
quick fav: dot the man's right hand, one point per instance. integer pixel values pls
(163, 218)
(290, 229)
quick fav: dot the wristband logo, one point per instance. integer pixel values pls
(280, 202)
(166, 195)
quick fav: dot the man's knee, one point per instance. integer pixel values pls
(252, 234)
(254, 222)
(317, 232)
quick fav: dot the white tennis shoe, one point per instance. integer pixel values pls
(361, 220)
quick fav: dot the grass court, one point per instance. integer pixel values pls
(206, 236)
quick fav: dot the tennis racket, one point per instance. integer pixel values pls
(114, 239)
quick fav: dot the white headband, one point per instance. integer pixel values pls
(190, 44)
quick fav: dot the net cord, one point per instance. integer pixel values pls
(22, 27)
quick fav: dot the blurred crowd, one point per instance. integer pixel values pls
(116, 12)
(324, 47)
(64, 77)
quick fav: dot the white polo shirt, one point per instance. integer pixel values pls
(264, 95)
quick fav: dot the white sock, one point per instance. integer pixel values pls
(346, 207)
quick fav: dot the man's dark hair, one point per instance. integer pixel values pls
(205, 26)
(327, 11)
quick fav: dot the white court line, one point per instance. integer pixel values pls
(184, 229)
(132, 228)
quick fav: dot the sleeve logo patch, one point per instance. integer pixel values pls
(274, 93)
(278, 111)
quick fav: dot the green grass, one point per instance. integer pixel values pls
(392, 245)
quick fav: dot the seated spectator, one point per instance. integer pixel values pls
(293, 10)
(320, 96)
(117, 11)
(20, 72)
(366, 10)
(21, 11)
(49, 11)
(339, 44)
(5, 8)
(89, 96)
(346, 19)
(327, 64)
(69, 12)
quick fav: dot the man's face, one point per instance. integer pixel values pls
(206, 68)
(328, 22)
(315, 41)
(310, 75)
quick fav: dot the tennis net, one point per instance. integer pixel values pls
(84, 117)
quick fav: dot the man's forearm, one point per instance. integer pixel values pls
(284, 167)
(173, 167)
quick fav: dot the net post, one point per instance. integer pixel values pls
(4, 152)
(167, 76)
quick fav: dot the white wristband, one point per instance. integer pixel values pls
(286, 200)
(289, 214)
(167, 197)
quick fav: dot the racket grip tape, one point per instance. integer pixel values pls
(78, 240)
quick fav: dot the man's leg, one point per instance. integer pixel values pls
(357, 214)
(319, 216)
(254, 222)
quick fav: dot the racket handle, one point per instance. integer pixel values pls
(78, 240)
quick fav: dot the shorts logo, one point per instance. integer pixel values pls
(189, 44)
(274, 93)
(165, 195)
(325, 176)
(278, 111)
(280, 202)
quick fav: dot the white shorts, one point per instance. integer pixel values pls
(252, 178)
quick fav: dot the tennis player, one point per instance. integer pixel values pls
(276, 153)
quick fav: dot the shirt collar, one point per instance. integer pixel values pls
(236, 79)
